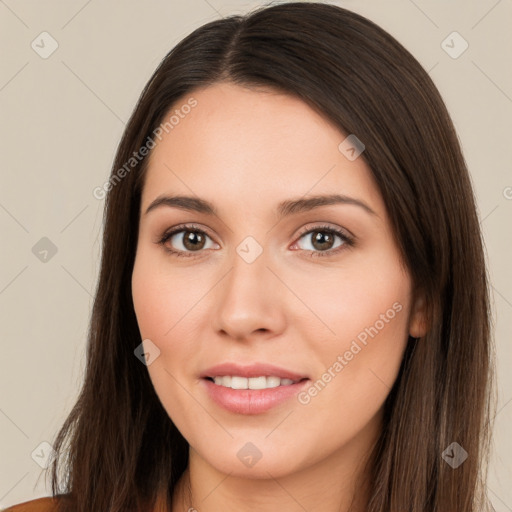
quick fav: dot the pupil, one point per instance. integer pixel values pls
(192, 240)
(325, 239)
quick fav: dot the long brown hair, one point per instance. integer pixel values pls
(118, 449)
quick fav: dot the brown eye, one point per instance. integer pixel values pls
(322, 239)
(182, 241)
(193, 240)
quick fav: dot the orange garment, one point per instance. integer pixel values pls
(47, 504)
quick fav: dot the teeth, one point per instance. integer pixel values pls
(239, 382)
(257, 382)
(236, 382)
(273, 382)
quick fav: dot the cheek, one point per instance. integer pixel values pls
(164, 308)
(153, 304)
(161, 312)
(170, 305)
(354, 300)
(161, 298)
(368, 311)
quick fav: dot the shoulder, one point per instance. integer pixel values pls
(48, 504)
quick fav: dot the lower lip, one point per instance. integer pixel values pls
(251, 401)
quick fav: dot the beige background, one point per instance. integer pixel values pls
(62, 118)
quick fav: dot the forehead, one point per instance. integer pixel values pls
(252, 146)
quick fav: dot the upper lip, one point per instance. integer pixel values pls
(251, 370)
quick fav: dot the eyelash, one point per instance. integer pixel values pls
(347, 240)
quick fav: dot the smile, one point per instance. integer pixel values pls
(247, 400)
(262, 382)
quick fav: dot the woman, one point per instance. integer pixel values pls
(321, 350)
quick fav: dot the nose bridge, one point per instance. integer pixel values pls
(244, 303)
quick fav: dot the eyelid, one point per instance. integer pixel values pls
(319, 225)
(348, 240)
(169, 233)
(346, 236)
(184, 227)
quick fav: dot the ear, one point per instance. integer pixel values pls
(418, 322)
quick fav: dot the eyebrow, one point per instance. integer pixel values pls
(284, 209)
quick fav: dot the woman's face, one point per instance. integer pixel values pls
(273, 285)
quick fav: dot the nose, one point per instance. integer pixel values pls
(250, 300)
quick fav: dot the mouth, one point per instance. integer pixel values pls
(261, 382)
(252, 389)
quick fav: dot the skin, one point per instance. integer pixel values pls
(245, 150)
